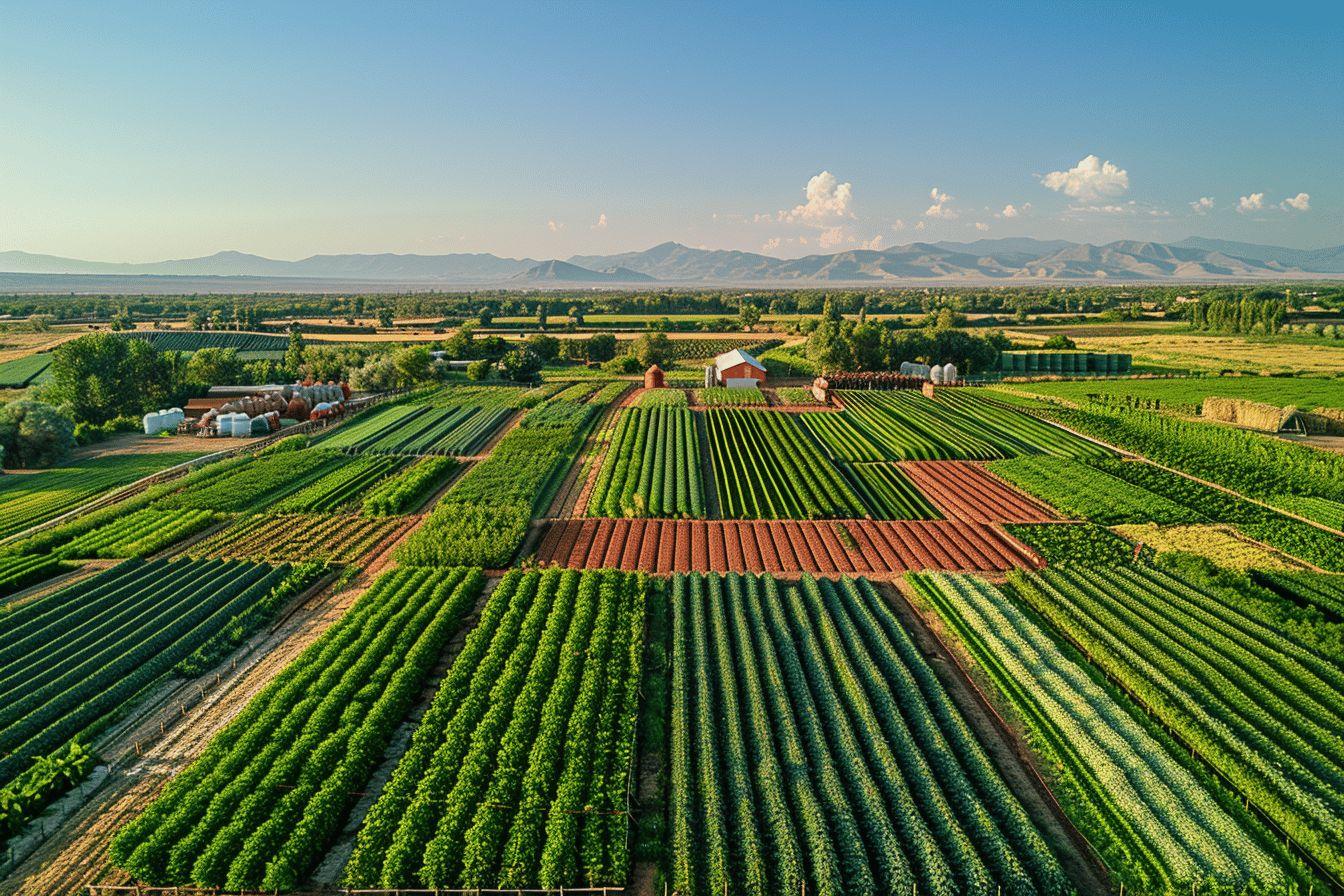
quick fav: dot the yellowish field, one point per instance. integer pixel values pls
(20, 345)
(1219, 543)
(1194, 351)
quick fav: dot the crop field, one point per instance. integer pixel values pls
(1322, 591)
(32, 498)
(335, 537)
(409, 429)
(958, 425)
(20, 571)
(566, 635)
(652, 466)
(720, 396)
(965, 491)
(765, 467)
(23, 372)
(191, 340)
(864, 547)
(888, 493)
(272, 790)
(139, 534)
(345, 485)
(813, 748)
(1161, 825)
(1185, 394)
(71, 657)
(256, 484)
(518, 774)
(1263, 711)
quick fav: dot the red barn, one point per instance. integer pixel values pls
(737, 369)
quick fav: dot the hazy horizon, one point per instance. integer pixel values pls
(139, 133)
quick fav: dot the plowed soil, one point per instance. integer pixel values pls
(967, 491)
(782, 547)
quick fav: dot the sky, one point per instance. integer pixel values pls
(145, 131)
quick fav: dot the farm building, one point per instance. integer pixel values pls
(737, 369)
(654, 378)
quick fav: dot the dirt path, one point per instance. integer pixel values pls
(1005, 747)
(157, 743)
(572, 495)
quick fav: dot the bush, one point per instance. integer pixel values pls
(34, 434)
(479, 370)
(623, 364)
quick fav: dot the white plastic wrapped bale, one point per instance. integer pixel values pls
(949, 373)
(153, 423)
(936, 374)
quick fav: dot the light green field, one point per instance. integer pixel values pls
(1186, 393)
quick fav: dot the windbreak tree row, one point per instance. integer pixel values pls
(812, 746)
(271, 792)
(517, 776)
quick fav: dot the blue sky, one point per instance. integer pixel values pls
(152, 130)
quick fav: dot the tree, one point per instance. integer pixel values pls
(102, 375)
(520, 366)
(215, 367)
(544, 347)
(485, 316)
(384, 317)
(294, 352)
(748, 315)
(652, 348)
(601, 347)
(479, 370)
(40, 323)
(1057, 342)
(576, 315)
(413, 365)
(377, 374)
(34, 434)
(541, 315)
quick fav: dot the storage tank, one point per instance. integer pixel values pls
(950, 373)
(936, 374)
(153, 423)
(242, 426)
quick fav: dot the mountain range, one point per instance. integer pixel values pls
(992, 260)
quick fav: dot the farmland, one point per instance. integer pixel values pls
(802, 711)
(569, 636)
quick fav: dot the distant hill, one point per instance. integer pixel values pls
(987, 260)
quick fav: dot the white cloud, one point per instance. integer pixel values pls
(601, 222)
(1202, 206)
(898, 225)
(1010, 211)
(1299, 203)
(1089, 180)
(941, 205)
(919, 225)
(875, 243)
(832, 236)
(827, 200)
(1251, 203)
(554, 226)
(771, 244)
(981, 226)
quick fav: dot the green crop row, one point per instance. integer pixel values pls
(483, 518)
(517, 774)
(298, 538)
(1082, 491)
(138, 534)
(271, 792)
(1161, 825)
(720, 396)
(765, 467)
(1261, 709)
(652, 466)
(255, 486)
(407, 490)
(813, 749)
(71, 657)
(18, 572)
(888, 494)
(346, 485)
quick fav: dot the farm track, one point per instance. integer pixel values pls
(781, 547)
(168, 735)
(967, 491)
(1004, 744)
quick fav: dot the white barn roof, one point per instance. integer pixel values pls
(735, 357)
